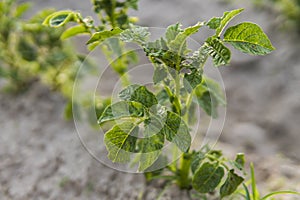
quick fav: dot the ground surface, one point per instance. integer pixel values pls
(42, 157)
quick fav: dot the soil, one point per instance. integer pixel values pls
(42, 156)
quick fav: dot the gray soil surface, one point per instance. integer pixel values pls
(42, 157)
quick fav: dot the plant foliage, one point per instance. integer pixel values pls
(31, 52)
(144, 120)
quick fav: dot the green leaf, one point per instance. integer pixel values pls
(207, 177)
(155, 48)
(176, 131)
(240, 160)
(178, 45)
(220, 54)
(120, 142)
(219, 23)
(255, 193)
(127, 92)
(215, 153)
(96, 109)
(279, 193)
(207, 102)
(92, 46)
(21, 9)
(196, 160)
(199, 57)
(231, 184)
(151, 144)
(192, 79)
(115, 48)
(209, 95)
(132, 4)
(162, 97)
(214, 23)
(248, 38)
(139, 94)
(73, 31)
(247, 196)
(136, 34)
(159, 53)
(59, 18)
(122, 109)
(103, 35)
(27, 50)
(215, 89)
(132, 57)
(147, 159)
(172, 32)
(160, 73)
(104, 6)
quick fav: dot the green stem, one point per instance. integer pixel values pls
(177, 85)
(183, 179)
(188, 105)
(253, 183)
(174, 99)
(221, 162)
(185, 160)
(112, 17)
(125, 80)
(177, 102)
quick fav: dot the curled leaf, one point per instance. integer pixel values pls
(219, 23)
(59, 18)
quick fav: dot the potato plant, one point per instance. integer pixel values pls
(144, 121)
(179, 74)
(113, 18)
(33, 52)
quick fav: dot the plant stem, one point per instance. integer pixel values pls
(185, 163)
(187, 106)
(177, 85)
(183, 180)
(221, 162)
(177, 102)
(125, 80)
(255, 194)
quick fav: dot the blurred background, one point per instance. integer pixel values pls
(40, 152)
